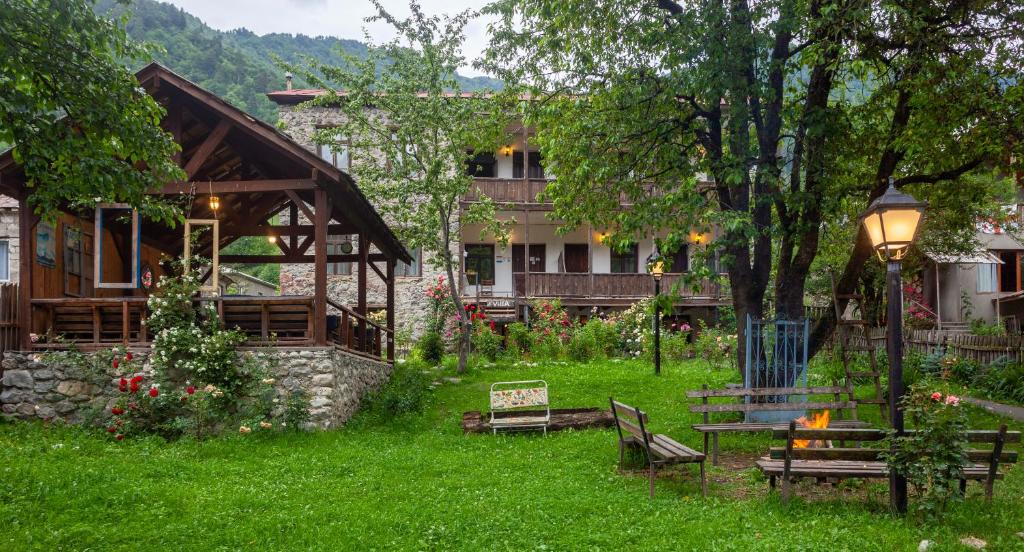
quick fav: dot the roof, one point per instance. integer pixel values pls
(8, 202)
(977, 257)
(999, 241)
(299, 95)
(347, 200)
(232, 273)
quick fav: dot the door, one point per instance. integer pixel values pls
(538, 257)
(577, 257)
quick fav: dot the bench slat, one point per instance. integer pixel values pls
(766, 407)
(677, 447)
(765, 391)
(834, 434)
(840, 469)
(727, 427)
(869, 454)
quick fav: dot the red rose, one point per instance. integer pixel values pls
(137, 379)
(119, 437)
(128, 356)
(153, 392)
(114, 363)
(134, 387)
(111, 429)
(117, 411)
(190, 389)
(122, 385)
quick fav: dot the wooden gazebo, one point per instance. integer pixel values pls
(85, 278)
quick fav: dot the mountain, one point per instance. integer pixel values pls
(237, 65)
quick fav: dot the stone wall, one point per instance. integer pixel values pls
(335, 380)
(411, 304)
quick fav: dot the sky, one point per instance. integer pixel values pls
(340, 18)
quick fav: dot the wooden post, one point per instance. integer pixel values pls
(526, 269)
(126, 327)
(391, 309)
(26, 253)
(320, 267)
(364, 253)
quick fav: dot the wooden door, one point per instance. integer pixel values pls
(577, 257)
(518, 258)
(538, 257)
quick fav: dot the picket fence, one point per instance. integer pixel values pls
(983, 349)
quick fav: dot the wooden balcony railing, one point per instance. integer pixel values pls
(357, 333)
(568, 284)
(506, 190)
(94, 323)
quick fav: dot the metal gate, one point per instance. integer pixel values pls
(776, 357)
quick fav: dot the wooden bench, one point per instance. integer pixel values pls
(659, 450)
(509, 400)
(742, 401)
(822, 463)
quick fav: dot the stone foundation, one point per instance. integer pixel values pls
(335, 380)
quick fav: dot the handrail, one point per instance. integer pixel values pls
(923, 307)
(358, 316)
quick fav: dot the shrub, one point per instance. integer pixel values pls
(932, 458)
(1002, 379)
(431, 347)
(486, 342)
(674, 346)
(518, 338)
(547, 348)
(549, 320)
(582, 345)
(714, 345)
(633, 326)
(405, 393)
(606, 338)
(980, 327)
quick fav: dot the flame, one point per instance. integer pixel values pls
(819, 420)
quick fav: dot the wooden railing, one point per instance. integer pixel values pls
(358, 333)
(585, 284)
(506, 190)
(8, 318)
(93, 323)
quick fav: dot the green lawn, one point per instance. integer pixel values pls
(419, 483)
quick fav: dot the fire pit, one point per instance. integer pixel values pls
(818, 420)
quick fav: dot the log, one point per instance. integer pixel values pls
(561, 418)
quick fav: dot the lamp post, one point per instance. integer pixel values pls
(891, 223)
(656, 267)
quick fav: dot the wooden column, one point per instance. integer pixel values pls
(321, 217)
(364, 253)
(25, 255)
(391, 308)
(526, 247)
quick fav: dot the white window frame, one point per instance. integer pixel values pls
(987, 275)
(6, 276)
(330, 152)
(417, 261)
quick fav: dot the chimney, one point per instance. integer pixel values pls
(288, 80)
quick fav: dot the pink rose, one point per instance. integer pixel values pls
(952, 400)
(936, 396)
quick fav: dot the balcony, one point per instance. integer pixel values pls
(587, 288)
(507, 190)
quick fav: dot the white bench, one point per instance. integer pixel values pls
(516, 405)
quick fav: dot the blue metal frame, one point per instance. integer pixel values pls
(776, 356)
(136, 252)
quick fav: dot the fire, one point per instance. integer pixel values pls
(819, 420)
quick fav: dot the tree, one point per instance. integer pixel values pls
(769, 119)
(412, 132)
(84, 129)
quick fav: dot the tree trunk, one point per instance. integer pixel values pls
(465, 326)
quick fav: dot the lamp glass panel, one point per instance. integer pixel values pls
(873, 225)
(900, 226)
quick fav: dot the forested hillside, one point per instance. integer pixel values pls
(238, 65)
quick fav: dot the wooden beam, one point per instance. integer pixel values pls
(379, 272)
(320, 277)
(283, 247)
(26, 255)
(364, 254)
(390, 308)
(280, 230)
(238, 186)
(297, 201)
(296, 259)
(173, 122)
(306, 242)
(209, 144)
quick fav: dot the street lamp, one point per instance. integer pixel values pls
(891, 223)
(656, 267)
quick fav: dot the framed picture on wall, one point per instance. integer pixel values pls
(46, 245)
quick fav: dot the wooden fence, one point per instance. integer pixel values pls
(983, 349)
(8, 319)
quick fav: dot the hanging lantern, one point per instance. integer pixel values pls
(214, 203)
(272, 239)
(891, 223)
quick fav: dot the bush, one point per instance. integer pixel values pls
(980, 327)
(582, 345)
(675, 346)
(605, 335)
(518, 338)
(486, 342)
(406, 392)
(547, 348)
(1002, 379)
(431, 347)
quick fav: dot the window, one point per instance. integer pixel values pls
(482, 165)
(535, 170)
(680, 260)
(480, 264)
(626, 262)
(5, 260)
(339, 245)
(988, 277)
(338, 153)
(410, 270)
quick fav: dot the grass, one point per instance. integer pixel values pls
(418, 483)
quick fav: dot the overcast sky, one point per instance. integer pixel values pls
(340, 18)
